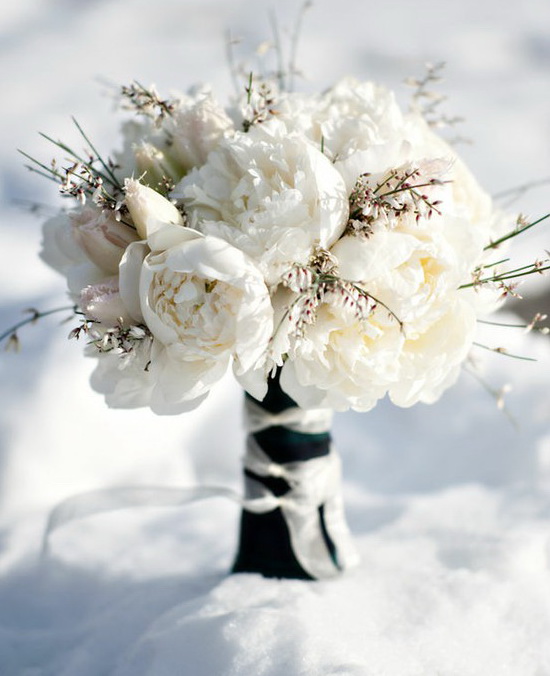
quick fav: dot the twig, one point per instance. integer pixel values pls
(35, 315)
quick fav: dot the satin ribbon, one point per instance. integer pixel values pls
(90, 503)
(309, 421)
(313, 483)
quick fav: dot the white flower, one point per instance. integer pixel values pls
(344, 360)
(124, 382)
(153, 165)
(205, 303)
(341, 362)
(271, 194)
(349, 226)
(350, 116)
(62, 251)
(101, 236)
(195, 128)
(149, 210)
(102, 303)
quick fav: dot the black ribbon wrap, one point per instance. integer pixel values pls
(266, 544)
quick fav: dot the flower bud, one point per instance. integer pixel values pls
(196, 128)
(101, 237)
(102, 303)
(153, 165)
(149, 209)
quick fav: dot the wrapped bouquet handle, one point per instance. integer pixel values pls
(289, 454)
(292, 524)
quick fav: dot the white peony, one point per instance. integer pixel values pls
(101, 236)
(413, 265)
(271, 194)
(103, 303)
(125, 381)
(348, 117)
(344, 361)
(204, 303)
(85, 245)
(195, 128)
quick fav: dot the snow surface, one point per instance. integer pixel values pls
(450, 504)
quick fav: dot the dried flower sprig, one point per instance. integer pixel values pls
(119, 339)
(406, 189)
(427, 101)
(259, 103)
(510, 195)
(501, 279)
(88, 176)
(319, 283)
(285, 69)
(146, 101)
(503, 351)
(498, 394)
(537, 267)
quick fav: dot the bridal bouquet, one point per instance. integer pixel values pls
(330, 248)
(330, 236)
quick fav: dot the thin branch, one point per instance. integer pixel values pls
(230, 55)
(103, 164)
(35, 315)
(516, 232)
(501, 350)
(52, 174)
(498, 395)
(524, 271)
(74, 156)
(292, 70)
(520, 190)
(278, 50)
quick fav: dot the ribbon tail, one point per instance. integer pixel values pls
(87, 504)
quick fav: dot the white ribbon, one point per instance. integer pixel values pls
(86, 504)
(308, 421)
(313, 483)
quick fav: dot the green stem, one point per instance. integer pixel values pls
(105, 166)
(528, 270)
(49, 171)
(514, 233)
(84, 162)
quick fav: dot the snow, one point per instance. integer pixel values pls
(449, 503)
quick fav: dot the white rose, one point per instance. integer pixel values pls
(153, 165)
(204, 302)
(270, 194)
